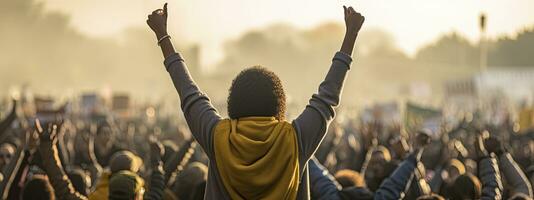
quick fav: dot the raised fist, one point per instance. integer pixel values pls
(156, 151)
(353, 20)
(480, 149)
(494, 145)
(157, 21)
(422, 139)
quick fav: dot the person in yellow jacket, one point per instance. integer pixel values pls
(256, 153)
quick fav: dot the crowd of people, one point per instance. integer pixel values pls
(256, 153)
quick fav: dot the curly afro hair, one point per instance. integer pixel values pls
(258, 92)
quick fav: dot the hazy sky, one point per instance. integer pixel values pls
(210, 22)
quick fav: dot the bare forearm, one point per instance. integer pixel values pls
(166, 47)
(348, 43)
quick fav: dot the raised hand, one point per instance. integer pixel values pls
(494, 145)
(353, 23)
(353, 20)
(48, 136)
(156, 151)
(421, 140)
(480, 149)
(157, 21)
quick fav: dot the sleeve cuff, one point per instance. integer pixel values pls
(343, 57)
(171, 59)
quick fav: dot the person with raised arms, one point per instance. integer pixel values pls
(256, 153)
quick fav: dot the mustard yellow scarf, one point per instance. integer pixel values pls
(257, 158)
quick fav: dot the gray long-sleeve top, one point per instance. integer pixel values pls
(310, 125)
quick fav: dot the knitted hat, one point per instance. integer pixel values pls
(125, 160)
(125, 185)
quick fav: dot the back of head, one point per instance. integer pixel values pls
(383, 152)
(466, 186)
(349, 178)
(80, 180)
(256, 92)
(125, 160)
(125, 185)
(191, 181)
(38, 188)
(454, 169)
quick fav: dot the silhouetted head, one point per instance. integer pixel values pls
(6, 152)
(125, 160)
(454, 169)
(125, 185)
(349, 178)
(467, 186)
(80, 180)
(257, 92)
(190, 183)
(38, 188)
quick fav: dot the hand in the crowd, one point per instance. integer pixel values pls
(31, 140)
(14, 104)
(157, 21)
(47, 135)
(480, 149)
(421, 141)
(400, 147)
(156, 151)
(353, 20)
(494, 145)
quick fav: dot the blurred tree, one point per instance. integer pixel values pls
(450, 49)
(508, 51)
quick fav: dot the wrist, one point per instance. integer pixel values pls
(160, 34)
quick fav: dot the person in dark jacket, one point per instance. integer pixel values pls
(395, 186)
(517, 181)
(325, 186)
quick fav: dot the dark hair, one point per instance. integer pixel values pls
(79, 180)
(190, 183)
(467, 186)
(256, 91)
(349, 178)
(38, 188)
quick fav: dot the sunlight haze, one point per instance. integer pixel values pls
(210, 22)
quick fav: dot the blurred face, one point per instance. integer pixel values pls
(6, 153)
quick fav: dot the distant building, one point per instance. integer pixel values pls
(516, 84)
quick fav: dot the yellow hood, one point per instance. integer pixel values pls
(257, 158)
